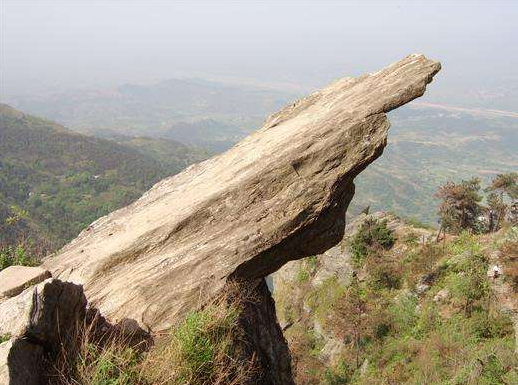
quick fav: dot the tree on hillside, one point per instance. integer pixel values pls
(503, 189)
(350, 321)
(460, 206)
(497, 209)
(506, 184)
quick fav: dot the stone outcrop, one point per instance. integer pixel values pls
(40, 321)
(264, 340)
(278, 195)
(15, 279)
(21, 363)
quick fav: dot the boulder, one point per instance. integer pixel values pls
(21, 363)
(40, 321)
(46, 314)
(15, 279)
(278, 195)
(442, 295)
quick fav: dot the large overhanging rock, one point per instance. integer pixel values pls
(280, 194)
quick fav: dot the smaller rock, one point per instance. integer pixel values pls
(494, 272)
(335, 262)
(49, 312)
(20, 363)
(43, 320)
(15, 279)
(421, 287)
(364, 367)
(442, 295)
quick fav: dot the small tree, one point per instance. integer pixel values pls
(503, 189)
(497, 209)
(506, 184)
(460, 206)
(372, 235)
(349, 321)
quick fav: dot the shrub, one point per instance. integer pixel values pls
(339, 374)
(467, 279)
(4, 337)
(373, 235)
(384, 272)
(206, 348)
(18, 255)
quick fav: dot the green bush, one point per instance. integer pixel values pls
(339, 374)
(373, 235)
(18, 255)
(5, 337)
(112, 365)
(206, 348)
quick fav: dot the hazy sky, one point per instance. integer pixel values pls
(50, 44)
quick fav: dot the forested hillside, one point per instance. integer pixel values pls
(55, 182)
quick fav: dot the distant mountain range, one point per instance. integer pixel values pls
(193, 111)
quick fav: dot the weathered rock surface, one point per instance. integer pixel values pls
(278, 195)
(42, 319)
(264, 339)
(45, 313)
(21, 363)
(15, 279)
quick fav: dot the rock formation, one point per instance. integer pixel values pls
(279, 195)
(39, 322)
(15, 279)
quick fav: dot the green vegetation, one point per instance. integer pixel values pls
(452, 332)
(201, 344)
(113, 363)
(54, 183)
(204, 349)
(373, 235)
(16, 255)
(307, 266)
(4, 337)
(454, 338)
